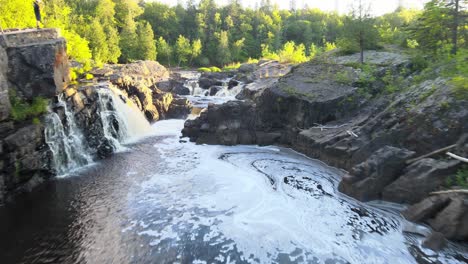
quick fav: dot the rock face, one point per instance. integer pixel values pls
(33, 63)
(333, 112)
(445, 213)
(139, 81)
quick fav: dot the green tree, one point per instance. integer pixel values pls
(222, 51)
(165, 51)
(196, 50)
(183, 50)
(146, 45)
(11, 10)
(359, 28)
(129, 41)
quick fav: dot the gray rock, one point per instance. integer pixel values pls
(436, 241)
(419, 179)
(215, 89)
(370, 177)
(247, 68)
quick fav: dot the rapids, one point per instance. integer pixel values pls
(165, 200)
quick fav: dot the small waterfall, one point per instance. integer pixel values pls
(192, 84)
(65, 141)
(121, 119)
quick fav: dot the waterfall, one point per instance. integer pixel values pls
(65, 141)
(122, 122)
(121, 119)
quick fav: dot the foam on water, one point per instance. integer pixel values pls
(261, 205)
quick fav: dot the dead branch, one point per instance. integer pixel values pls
(457, 157)
(431, 154)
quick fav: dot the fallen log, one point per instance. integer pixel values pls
(457, 157)
(449, 192)
(435, 152)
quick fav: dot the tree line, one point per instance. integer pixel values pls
(204, 33)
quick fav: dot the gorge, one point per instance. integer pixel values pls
(132, 188)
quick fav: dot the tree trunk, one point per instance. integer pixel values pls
(361, 46)
(455, 27)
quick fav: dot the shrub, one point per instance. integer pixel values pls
(347, 46)
(460, 87)
(419, 63)
(21, 110)
(460, 179)
(292, 53)
(215, 69)
(204, 69)
(252, 61)
(232, 67)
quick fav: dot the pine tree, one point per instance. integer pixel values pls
(146, 44)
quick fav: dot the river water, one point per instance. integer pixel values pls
(166, 200)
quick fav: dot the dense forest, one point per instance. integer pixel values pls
(204, 33)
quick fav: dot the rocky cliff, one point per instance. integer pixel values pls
(369, 121)
(33, 66)
(48, 126)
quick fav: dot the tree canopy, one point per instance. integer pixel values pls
(204, 34)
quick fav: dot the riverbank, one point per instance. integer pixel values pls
(368, 120)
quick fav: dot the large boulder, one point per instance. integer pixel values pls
(368, 179)
(38, 69)
(446, 213)
(419, 179)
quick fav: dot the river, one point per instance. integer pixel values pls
(163, 199)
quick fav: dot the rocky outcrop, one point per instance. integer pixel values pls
(139, 81)
(33, 63)
(341, 115)
(445, 213)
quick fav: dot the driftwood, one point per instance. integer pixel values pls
(322, 127)
(351, 133)
(431, 154)
(449, 192)
(457, 157)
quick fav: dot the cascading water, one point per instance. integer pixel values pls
(65, 141)
(121, 119)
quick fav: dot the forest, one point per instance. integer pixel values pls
(203, 33)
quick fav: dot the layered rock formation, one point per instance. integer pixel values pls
(33, 63)
(139, 81)
(335, 112)
(37, 104)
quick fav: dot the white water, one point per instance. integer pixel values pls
(201, 97)
(132, 125)
(122, 123)
(66, 142)
(222, 199)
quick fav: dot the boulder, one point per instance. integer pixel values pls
(180, 108)
(445, 213)
(215, 89)
(370, 177)
(206, 83)
(38, 69)
(181, 90)
(419, 179)
(247, 68)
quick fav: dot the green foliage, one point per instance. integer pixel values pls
(215, 69)
(419, 62)
(16, 14)
(204, 69)
(460, 179)
(460, 87)
(343, 77)
(231, 67)
(22, 110)
(292, 53)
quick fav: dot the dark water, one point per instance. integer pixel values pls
(166, 201)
